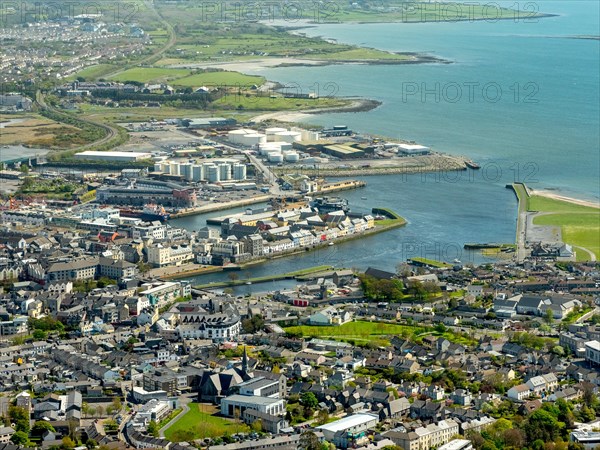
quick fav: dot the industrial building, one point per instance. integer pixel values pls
(209, 122)
(343, 151)
(148, 191)
(240, 403)
(213, 172)
(92, 155)
(413, 149)
(349, 430)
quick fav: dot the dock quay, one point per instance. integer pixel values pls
(220, 206)
(340, 186)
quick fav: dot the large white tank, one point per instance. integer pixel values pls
(224, 171)
(197, 172)
(252, 139)
(291, 157)
(211, 173)
(239, 171)
(275, 157)
(174, 168)
(185, 170)
(272, 132)
(235, 136)
(288, 136)
(307, 135)
(157, 167)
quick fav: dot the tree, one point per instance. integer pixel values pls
(68, 443)
(322, 416)
(40, 426)
(309, 441)
(20, 438)
(253, 324)
(24, 168)
(152, 428)
(91, 443)
(39, 335)
(542, 425)
(309, 400)
(20, 417)
(256, 425)
(549, 316)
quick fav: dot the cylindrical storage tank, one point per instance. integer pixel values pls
(235, 135)
(185, 170)
(224, 171)
(211, 173)
(288, 136)
(157, 167)
(308, 135)
(174, 169)
(275, 157)
(197, 173)
(239, 171)
(285, 146)
(292, 157)
(253, 139)
(272, 132)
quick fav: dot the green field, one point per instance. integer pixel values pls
(93, 72)
(362, 331)
(219, 79)
(148, 74)
(253, 103)
(199, 422)
(580, 225)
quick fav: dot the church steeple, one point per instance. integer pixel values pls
(245, 361)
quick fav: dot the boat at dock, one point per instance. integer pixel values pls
(149, 213)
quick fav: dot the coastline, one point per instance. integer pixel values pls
(356, 105)
(255, 65)
(564, 198)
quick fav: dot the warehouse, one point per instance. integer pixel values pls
(413, 149)
(92, 155)
(343, 151)
(240, 403)
(210, 122)
(349, 430)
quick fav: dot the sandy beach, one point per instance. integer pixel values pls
(550, 194)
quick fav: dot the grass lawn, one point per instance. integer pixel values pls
(363, 331)
(93, 72)
(360, 54)
(251, 102)
(219, 79)
(580, 225)
(147, 74)
(431, 262)
(200, 422)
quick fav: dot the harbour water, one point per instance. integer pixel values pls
(543, 129)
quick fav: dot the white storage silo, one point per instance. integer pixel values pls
(252, 139)
(271, 132)
(307, 135)
(239, 171)
(211, 173)
(275, 157)
(288, 136)
(185, 170)
(157, 167)
(224, 171)
(291, 157)
(197, 172)
(174, 168)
